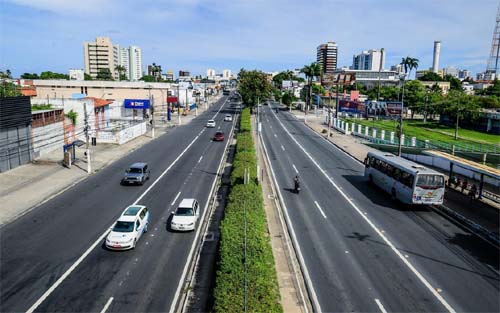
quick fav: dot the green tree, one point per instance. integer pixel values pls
(104, 74)
(287, 98)
(121, 72)
(9, 89)
(455, 83)
(30, 76)
(280, 77)
(87, 76)
(148, 78)
(53, 75)
(318, 90)
(156, 71)
(488, 102)
(430, 77)
(311, 71)
(6, 74)
(253, 86)
(72, 116)
(415, 97)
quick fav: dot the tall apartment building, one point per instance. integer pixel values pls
(226, 74)
(99, 55)
(327, 56)
(103, 54)
(210, 73)
(369, 60)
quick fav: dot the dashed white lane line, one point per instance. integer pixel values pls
(99, 240)
(319, 208)
(295, 169)
(105, 308)
(410, 266)
(175, 199)
(275, 136)
(201, 158)
(380, 306)
(282, 148)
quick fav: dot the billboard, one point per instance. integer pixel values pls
(352, 107)
(136, 103)
(383, 108)
(286, 84)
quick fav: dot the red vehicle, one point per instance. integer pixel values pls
(219, 136)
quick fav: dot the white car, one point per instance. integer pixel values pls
(211, 123)
(128, 228)
(186, 215)
(228, 118)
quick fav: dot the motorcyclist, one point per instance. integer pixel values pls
(296, 183)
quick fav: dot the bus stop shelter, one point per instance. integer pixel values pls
(480, 169)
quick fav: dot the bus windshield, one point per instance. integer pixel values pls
(430, 181)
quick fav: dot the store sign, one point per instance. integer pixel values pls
(136, 103)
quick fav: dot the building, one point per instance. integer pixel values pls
(76, 74)
(445, 86)
(135, 60)
(420, 73)
(169, 75)
(226, 74)
(210, 73)
(327, 56)
(155, 70)
(184, 74)
(122, 58)
(398, 68)
(99, 55)
(464, 74)
(371, 60)
(486, 76)
(451, 70)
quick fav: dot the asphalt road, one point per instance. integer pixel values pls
(362, 251)
(38, 249)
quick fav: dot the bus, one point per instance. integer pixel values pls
(404, 180)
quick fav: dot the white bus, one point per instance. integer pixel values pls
(404, 180)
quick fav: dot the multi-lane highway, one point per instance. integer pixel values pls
(53, 258)
(362, 252)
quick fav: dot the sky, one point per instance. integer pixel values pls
(269, 35)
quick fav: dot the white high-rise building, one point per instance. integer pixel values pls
(135, 59)
(226, 74)
(123, 59)
(369, 60)
(210, 73)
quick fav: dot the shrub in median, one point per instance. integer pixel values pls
(245, 205)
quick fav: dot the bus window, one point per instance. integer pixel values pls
(430, 181)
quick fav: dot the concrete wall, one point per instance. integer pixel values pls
(121, 136)
(15, 149)
(47, 139)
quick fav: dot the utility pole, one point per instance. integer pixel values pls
(425, 107)
(178, 106)
(87, 151)
(337, 100)
(379, 70)
(329, 116)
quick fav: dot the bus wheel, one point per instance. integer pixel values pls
(393, 194)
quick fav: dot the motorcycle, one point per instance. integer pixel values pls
(296, 186)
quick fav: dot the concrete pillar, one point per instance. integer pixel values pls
(426, 143)
(359, 128)
(403, 139)
(374, 133)
(382, 134)
(353, 129)
(367, 129)
(413, 141)
(346, 127)
(335, 121)
(392, 137)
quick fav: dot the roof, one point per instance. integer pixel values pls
(411, 166)
(138, 165)
(468, 164)
(187, 203)
(132, 210)
(98, 102)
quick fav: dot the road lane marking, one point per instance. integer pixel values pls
(105, 308)
(275, 136)
(101, 238)
(198, 229)
(201, 158)
(296, 171)
(319, 208)
(175, 199)
(422, 279)
(282, 148)
(380, 306)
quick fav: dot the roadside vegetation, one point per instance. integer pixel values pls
(246, 277)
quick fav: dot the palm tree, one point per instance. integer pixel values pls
(311, 71)
(408, 64)
(120, 69)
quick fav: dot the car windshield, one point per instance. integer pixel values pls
(184, 212)
(124, 227)
(430, 181)
(135, 170)
(219, 134)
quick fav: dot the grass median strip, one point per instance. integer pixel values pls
(245, 277)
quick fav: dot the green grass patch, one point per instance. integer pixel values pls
(245, 204)
(435, 132)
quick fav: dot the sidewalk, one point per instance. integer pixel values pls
(481, 212)
(26, 187)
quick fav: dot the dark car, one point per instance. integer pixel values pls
(137, 173)
(219, 136)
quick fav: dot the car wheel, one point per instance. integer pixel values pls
(146, 228)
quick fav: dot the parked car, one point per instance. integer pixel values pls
(219, 136)
(228, 118)
(129, 228)
(185, 216)
(137, 173)
(211, 123)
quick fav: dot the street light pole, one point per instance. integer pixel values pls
(178, 106)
